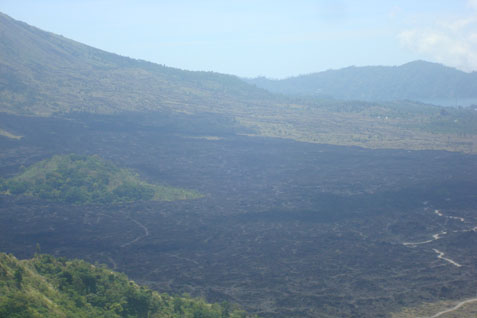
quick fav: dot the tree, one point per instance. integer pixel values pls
(18, 275)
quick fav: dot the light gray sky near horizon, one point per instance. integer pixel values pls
(275, 39)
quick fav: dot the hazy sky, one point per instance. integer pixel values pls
(264, 37)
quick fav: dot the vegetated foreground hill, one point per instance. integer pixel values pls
(48, 287)
(418, 80)
(87, 179)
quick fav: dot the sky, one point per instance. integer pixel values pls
(272, 38)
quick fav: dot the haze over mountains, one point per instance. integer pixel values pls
(418, 80)
(43, 73)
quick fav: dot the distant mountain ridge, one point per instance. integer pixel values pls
(418, 80)
(43, 73)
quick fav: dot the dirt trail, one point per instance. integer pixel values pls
(439, 236)
(441, 256)
(462, 303)
(144, 228)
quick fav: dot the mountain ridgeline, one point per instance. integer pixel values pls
(418, 80)
(42, 73)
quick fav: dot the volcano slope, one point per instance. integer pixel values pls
(44, 74)
(285, 229)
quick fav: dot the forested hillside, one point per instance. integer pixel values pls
(45, 286)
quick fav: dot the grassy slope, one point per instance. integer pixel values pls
(48, 287)
(399, 125)
(83, 179)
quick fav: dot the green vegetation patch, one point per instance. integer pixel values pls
(49, 287)
(87, 179)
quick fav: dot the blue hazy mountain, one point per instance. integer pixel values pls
(418, 80)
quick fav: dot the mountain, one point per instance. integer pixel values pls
(418, 80)
(43, 73)
(45, 286)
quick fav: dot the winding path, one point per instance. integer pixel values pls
(438, 236)
(441, 254)
(144, 228)
(462, 303)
